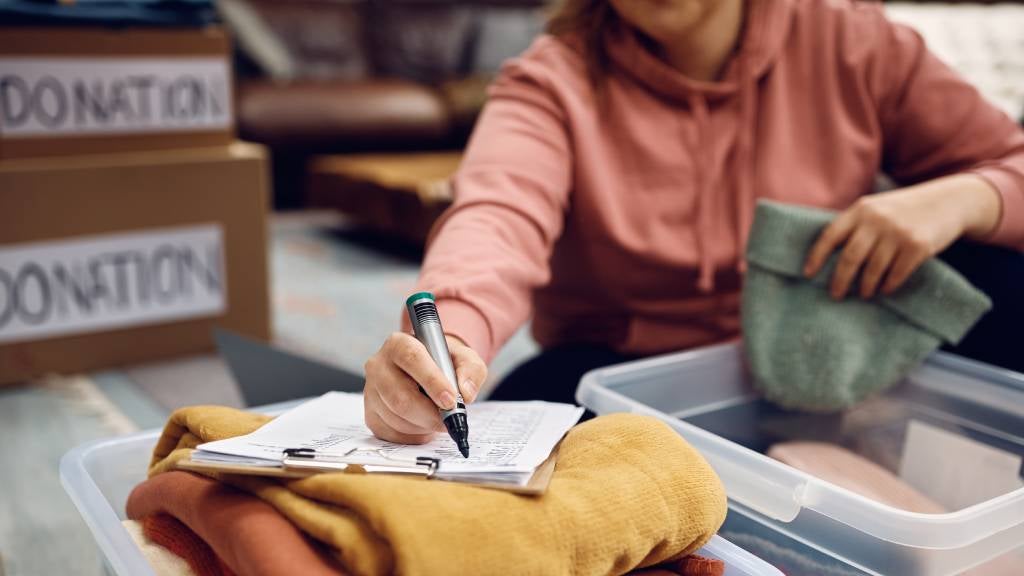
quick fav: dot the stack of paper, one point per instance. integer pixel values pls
(508, 440)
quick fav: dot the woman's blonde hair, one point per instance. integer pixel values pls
(587, 20)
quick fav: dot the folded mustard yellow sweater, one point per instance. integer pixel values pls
(627, 492)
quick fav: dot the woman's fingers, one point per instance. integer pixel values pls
(885, 238)
(830, 238)
(856, 251)
(909, 259)
(376, 422)
(470, 370)
(412, 357)
(410, 422)
(879, 261)
(405, 387)
(403, 398)
(394, 407)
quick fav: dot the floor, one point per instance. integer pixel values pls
(337, 293)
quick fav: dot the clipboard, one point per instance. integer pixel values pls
(303, 463)
(258, 370)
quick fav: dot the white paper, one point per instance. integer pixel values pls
(504, 437)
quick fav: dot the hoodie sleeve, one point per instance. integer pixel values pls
(492, 247)
(934, 123)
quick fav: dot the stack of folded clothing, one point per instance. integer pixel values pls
(627, 494)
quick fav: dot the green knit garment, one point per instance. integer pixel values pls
(807, 351)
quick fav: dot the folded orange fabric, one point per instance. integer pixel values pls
(169, 532)
(221, 531)
(690, 566)
(250, 536)
(700, 566)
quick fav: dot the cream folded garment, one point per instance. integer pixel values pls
(161, 559)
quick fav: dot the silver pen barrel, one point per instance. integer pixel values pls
(427, 326)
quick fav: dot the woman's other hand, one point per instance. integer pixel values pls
(395, 409)
(886, 236)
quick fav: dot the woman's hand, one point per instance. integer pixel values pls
(395, 409)
(888, 235)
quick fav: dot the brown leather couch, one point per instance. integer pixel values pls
(330, 76)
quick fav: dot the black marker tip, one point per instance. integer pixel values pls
(458, 429)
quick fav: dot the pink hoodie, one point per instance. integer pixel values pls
(625, 225)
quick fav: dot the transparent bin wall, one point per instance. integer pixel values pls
(870, 555)
(706, 395)
(100, 475)
(789, 555)
(795, 556)
(738, 562)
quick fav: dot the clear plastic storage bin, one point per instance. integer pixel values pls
(98, 477)
(953, 430)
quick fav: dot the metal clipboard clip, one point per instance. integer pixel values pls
(358, 461)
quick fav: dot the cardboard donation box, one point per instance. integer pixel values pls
(112, 259)
(93, 90)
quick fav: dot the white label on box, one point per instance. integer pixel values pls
(95, 96)
(955, 470)
(93, 283)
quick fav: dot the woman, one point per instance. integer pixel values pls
(610, 184)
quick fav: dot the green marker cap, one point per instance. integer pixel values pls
(418, 296)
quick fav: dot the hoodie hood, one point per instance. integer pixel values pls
(765, 27)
